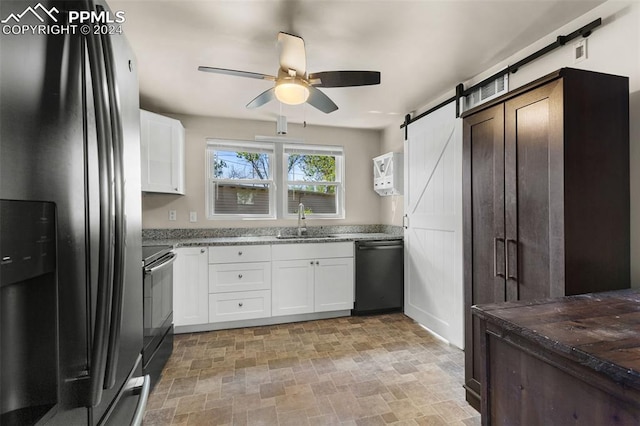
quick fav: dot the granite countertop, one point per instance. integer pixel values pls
(270, 239)
(597, 330)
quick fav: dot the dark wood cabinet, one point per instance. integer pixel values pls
(545, 196)
(563, 361)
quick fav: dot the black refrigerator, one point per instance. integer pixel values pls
(70, 217)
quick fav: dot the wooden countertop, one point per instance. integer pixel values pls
(599, 330)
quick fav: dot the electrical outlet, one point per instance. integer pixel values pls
(172, 215)
(580, 51)
(193, 216)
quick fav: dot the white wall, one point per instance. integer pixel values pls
(614, 48)
(362, 204)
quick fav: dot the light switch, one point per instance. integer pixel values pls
(193, 216)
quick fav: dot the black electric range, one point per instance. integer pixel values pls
(157, 273)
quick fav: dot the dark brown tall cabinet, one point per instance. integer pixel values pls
(546, 196)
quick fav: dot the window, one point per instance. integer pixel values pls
(313, 176)
(242, 176)
(240, 179)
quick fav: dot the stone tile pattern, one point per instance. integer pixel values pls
(374, 370)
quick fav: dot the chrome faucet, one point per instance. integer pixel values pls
(302, 225)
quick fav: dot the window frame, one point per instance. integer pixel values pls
(231, 145)
(338, 183)
(276, 148)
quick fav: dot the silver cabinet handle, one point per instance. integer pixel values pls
(511, 276)
(497, 273)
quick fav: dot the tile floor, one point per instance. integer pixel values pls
(374, 370)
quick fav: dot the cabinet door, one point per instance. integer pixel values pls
(162, 153)
(190, 287)
(333, 284)
(534, 193)
(292, 287)
(484, 242)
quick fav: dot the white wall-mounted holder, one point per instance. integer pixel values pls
(387, 174)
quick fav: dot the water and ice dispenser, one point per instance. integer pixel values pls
(28, 312)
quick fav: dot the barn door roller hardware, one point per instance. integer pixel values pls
(461, 91)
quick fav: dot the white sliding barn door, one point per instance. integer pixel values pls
(433, 233)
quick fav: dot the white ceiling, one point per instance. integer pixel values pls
(422, 48)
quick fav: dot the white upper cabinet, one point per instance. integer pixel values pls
(162, 154)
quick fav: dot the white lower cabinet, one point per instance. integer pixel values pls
(318, 279)
(225, 277)
(190, 287)
(239, 305)
(292, 289)
(235, 283)
(239, 283)
(334, 284)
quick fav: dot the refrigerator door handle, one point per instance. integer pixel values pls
(119, 254)
(142, 402)
(105, 253)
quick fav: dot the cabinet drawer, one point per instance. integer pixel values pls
(312, 251)
(235, 254)
(241, 305)
(225, 277)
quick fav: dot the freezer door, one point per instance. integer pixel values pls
(42, 158)
(49, 153)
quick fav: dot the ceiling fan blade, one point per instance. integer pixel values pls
(262, 98)
(344, 78)
(237, 73)
(292, 54)
(319, 100)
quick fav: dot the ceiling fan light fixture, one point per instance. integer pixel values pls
(292, 92)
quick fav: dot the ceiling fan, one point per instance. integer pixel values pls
(293, 85)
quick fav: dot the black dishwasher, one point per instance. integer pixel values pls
(379, 276)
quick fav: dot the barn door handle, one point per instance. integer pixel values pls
(495, 257)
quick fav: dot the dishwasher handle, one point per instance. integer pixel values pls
(380, 245)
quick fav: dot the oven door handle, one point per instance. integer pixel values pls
(166, 263)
